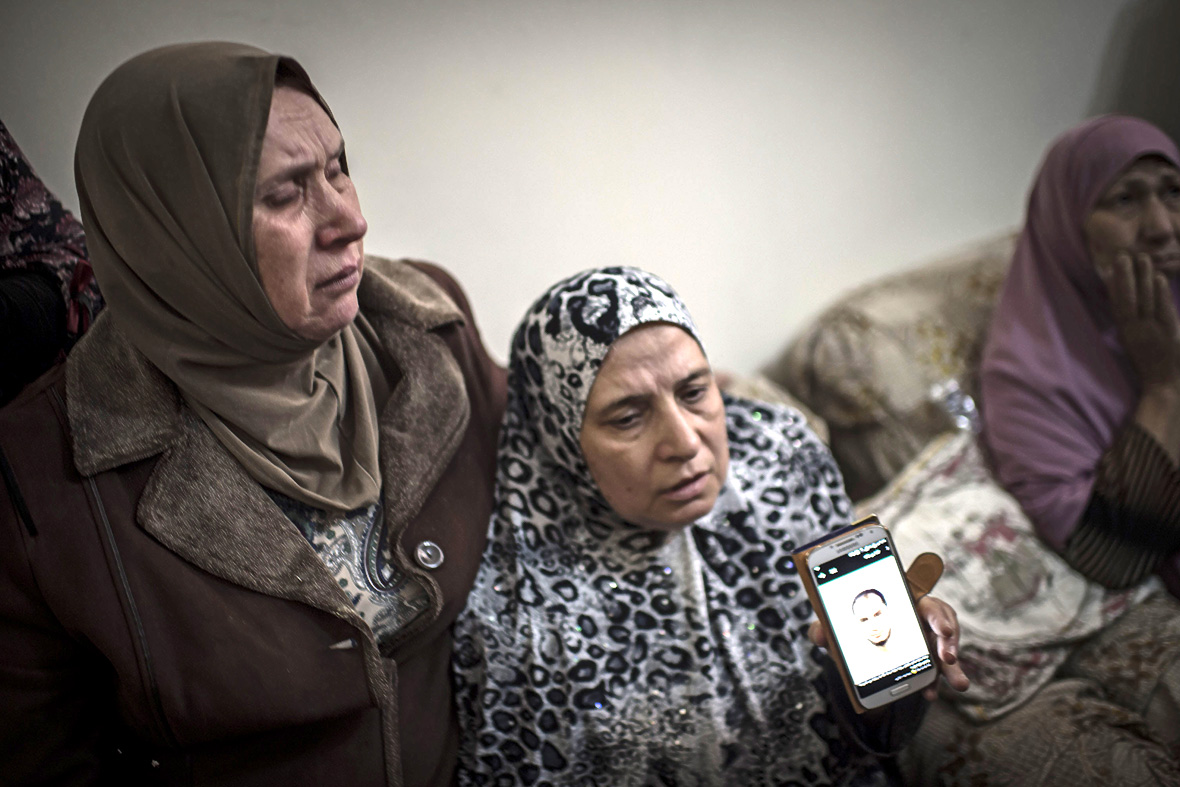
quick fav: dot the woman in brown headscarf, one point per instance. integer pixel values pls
(235, 533)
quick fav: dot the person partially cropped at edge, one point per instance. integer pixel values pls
(638, 619)
(1080, 378)
(235, 530)
(48, 295)
(1079, 383)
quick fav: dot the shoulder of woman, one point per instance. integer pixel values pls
(120, 407)
(412, 291)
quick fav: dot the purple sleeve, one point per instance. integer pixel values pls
(1132, 522)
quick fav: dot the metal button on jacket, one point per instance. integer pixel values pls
(429, 555)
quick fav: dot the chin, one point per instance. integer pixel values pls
(683, 516)
(344, 312)
(329, 325)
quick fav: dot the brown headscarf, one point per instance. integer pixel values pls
(166, 164)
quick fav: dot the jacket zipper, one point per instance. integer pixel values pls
(157, 703)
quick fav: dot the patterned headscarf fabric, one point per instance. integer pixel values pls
(596, 653)
(165, 165)
(36, 229)
(1056, 384)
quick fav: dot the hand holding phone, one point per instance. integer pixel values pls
(856, 585)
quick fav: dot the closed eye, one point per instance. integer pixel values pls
(285, 195)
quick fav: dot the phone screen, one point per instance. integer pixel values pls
(872, 618)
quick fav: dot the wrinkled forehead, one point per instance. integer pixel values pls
(297, 130)
(289, 75)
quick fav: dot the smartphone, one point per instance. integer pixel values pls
(858, 589)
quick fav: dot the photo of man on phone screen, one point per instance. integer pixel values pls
(877, 641)
(865, 595)
(871, 611)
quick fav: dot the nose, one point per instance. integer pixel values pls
(679, 439)
(1158, 223)
(341, 220)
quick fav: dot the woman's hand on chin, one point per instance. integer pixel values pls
(1148, 326)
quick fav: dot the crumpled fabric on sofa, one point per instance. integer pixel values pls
(882, 364)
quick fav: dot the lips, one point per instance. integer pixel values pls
(689, 487)
(342, 279)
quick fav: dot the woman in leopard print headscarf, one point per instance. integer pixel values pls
(637, 619)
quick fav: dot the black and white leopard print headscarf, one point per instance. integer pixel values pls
(595, 653)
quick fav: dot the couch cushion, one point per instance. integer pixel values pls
(885, 365)
(1021, 609)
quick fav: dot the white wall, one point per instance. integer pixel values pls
(763, 155)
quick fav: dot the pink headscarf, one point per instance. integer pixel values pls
(1056, 385)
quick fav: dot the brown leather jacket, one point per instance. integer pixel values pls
(161, 621)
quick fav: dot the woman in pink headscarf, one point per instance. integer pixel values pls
(1081, 372)
(1081, 406)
